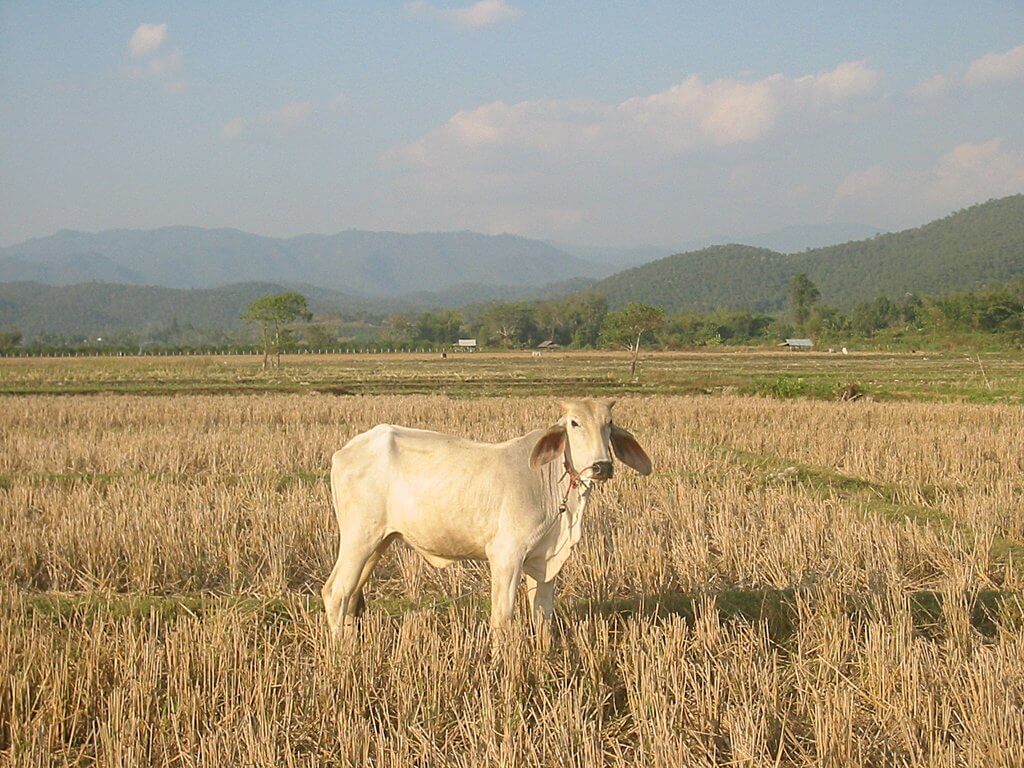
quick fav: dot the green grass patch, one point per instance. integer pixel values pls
(935, 376)
(876, 497)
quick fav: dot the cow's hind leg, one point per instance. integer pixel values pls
(358, 604)
(342, 591)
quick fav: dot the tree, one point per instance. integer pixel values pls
(549, 318)
(871, 316)
(318, 336)
(584, 315)
(803, 294)
(827, 321)
(628, 326)
(9, 339)
(273, 312)
(513, 324)
(440, 326)
(399, 327)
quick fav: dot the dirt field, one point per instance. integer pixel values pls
(801, 582)
(950, 376)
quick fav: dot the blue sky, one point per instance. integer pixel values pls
(599, 123)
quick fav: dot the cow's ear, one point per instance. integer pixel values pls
(629, 452)
(550, 446)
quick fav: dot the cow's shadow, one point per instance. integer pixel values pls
(776, 608)
(779, 609)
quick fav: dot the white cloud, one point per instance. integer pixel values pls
(968, 173)
(281, 121)
(971, 172)
(154, 61)
(849, 80)
(485, 13)
(147, 39)
(232, 129)
(992, 68)
(866, 185)
(643, 164)
(289, 117)
(686, 116)
(932, 88)
(997, 68)
(162, 66)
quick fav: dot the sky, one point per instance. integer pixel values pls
(581, 122)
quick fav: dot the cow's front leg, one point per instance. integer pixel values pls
(541, 595)
(505, 575)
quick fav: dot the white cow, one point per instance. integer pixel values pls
(517, 504)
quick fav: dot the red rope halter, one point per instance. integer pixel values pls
(575, 480)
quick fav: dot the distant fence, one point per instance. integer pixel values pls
(221, 352)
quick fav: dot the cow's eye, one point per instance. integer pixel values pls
(574, 423)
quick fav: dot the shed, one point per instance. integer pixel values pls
(468, 345)
(797, 344)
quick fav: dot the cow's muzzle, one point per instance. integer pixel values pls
(601, 470)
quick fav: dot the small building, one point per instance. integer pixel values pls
(466, 345)
(549, 344)
(797, 344)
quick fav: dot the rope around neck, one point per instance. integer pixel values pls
(575, 481)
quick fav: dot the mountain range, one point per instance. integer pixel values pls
(356, 263)
(74, 282)
(786, 240)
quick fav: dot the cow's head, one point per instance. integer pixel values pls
(586, 436)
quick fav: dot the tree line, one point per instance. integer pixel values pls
(283, 322)
(585, 321)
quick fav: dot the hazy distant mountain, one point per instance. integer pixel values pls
(612, 258)
(784, 240)
(64, 269)
(356, 262)
(969, 248)
(461, 295)
(799, 238)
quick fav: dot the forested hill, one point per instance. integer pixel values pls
(983, 244)
(100, 309)
(719, 276)
(93, 309)
(375, 264)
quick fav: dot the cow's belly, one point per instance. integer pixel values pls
(441, 532)
(448, 518)
(440, 552)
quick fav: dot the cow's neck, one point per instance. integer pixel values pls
(578, 498)
(572, 491)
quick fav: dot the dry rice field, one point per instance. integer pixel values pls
(804, 583)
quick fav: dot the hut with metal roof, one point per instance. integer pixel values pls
(797, 344)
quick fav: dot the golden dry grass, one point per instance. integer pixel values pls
(804, 583)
